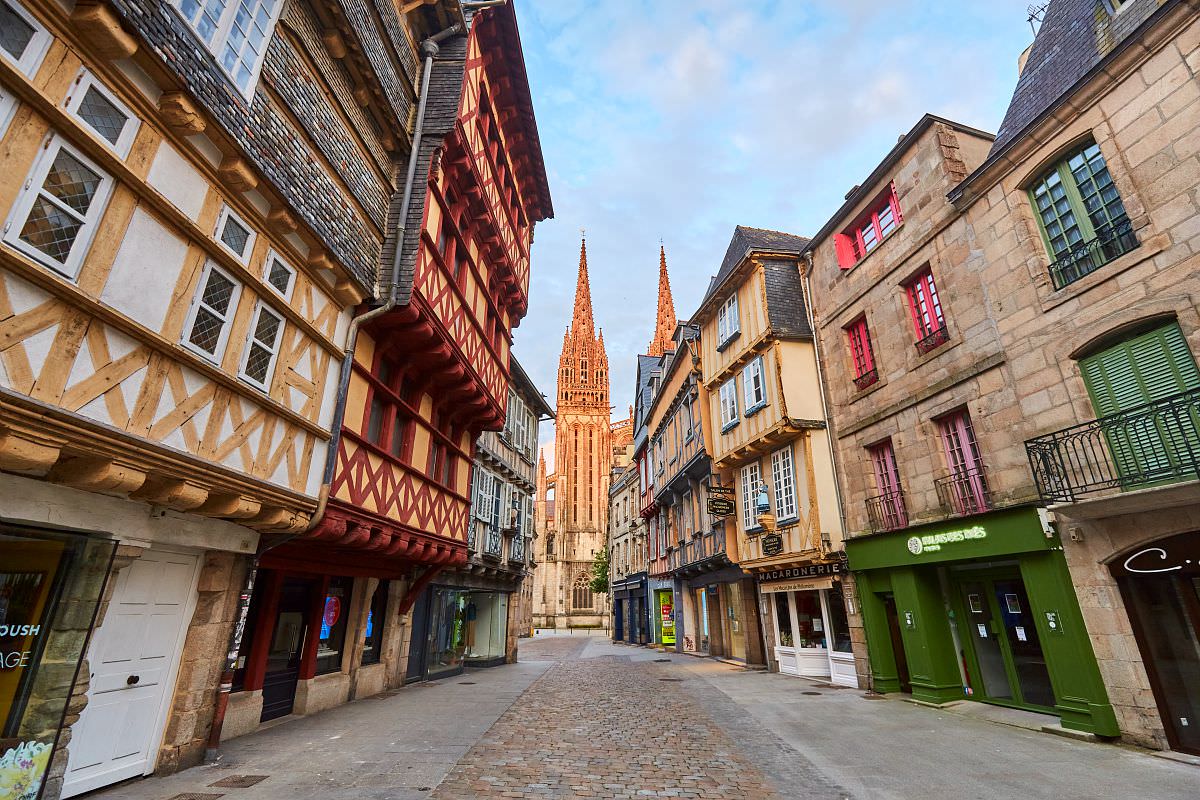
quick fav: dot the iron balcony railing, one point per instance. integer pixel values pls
(1158, 442)
(516, 550)
(471, 538)
(866, 379)
(964, 491)
(1112, 240)
(492, 542)
(933, 340)
(887, 511)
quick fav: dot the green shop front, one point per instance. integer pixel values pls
(983, 609)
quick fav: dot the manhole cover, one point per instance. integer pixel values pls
(672, 680)
(466, 683)
(195, 796)
(239, 781)
(662, 661)
(812, 694)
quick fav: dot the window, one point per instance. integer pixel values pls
(888, 510)
(965, 490)
(55, 216)
(236, 32)
(752, 386)
(373, 634)
(101, 111)
(1081, 216)
(865, 234)
(262, 347)
(728, 324)
(334, 614)
(212, 312)
(581, 593)
(389, 419)
(23, 40)
(235, 235)
(279, 275)
(1147, 368)
(861, 355)
(685, 414)
(783, 472)
(926, 311)
(751, 478)
(8, 107)
(441, 464)
(729, 406)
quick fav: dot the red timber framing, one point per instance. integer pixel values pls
(440, 363)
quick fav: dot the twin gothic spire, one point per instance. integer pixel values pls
(664, 324)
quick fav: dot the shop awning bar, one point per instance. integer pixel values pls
(1158, 442)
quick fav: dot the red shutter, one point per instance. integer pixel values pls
(895, 203)
(845, 250)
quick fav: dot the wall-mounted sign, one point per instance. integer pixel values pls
(721, 506)
(1175, 555)
(726, 491)
(805, 571)
(797, 586)
(772, 544)
(910, 620)
(932, 542)
(1054, 622)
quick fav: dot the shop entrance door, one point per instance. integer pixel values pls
(619, 620)
(287, 644)
(133, 660)
(1005, 663)
(893, 618)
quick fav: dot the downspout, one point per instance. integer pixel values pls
(429, 49)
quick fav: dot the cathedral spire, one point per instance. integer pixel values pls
(664, 324)
(581, 320)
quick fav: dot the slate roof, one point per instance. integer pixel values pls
(785, 300)
(646, 365)
(526, 387)
(746, 239)
(1075, 36)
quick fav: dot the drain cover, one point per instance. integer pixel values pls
(672, 680)
(812, 694)
(195, 796)
(239, 781)
(466, 683)
(662, 661)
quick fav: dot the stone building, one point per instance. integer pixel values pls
(1084, 214)
(563, 597)
(962, 584)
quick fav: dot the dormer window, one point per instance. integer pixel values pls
(728, 324)
(872, 227)
(236, 32)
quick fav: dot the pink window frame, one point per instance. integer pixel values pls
(968, 486)
(924, 304)
(851, 246)
(859, 336)
(887, 482)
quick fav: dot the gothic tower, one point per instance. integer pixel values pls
(582, 459)
(664, 324)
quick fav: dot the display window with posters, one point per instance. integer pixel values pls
(43, 576)
(334, 614)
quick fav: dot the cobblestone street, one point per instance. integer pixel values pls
(580, 717)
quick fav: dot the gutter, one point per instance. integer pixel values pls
(429, 49)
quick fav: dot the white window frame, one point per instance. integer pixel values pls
(727, 397)
(226, 214)
(87, 80)
(750, 479)
(783, 479)
(262, 308)
(728, 323)
(754, 397)
(8, 108)
(221, 35)
(272, 257)
(31, 59)
(226, 322)
(32, 189)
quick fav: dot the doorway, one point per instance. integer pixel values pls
(287, 644)
(619, 620)
(1004, 658)
(133, 657)
(893, 618)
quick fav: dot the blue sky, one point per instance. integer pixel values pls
(679, 120)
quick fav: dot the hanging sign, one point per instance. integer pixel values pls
(720, 506)
(772, 544)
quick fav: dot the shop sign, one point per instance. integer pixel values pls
(932, 542)
(797, 586)
(805, 571)
(772, 544)
(1173, 555)
(726, 491)
(721, 506)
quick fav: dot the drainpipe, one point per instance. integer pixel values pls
(429, 49)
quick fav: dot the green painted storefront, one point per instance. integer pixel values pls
(981, 607)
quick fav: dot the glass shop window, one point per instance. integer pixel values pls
(333, 625)
(839, 627)
(373, 635)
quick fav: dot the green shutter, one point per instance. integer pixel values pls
(1144, 369)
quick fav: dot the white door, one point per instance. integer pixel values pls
(133, 659)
